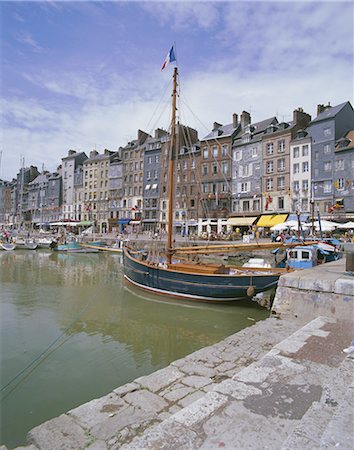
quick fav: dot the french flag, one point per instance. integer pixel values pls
(169, 58)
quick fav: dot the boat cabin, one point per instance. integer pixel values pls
(301, 257)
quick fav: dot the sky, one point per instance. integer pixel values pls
(87, 75)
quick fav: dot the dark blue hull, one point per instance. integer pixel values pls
(196, 286)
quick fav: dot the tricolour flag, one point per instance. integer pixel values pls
(169, 58)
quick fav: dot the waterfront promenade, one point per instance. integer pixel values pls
(284, 383)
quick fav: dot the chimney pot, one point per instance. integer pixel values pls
(234, 120)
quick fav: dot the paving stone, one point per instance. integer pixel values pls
(112, 426)
(58, 434)
(196, 368)
(146, 400)
(237, 389)
(129, 387)
(200, 410)
(177, 394)
(160, 379)
(345, 286)
(196, 381)
(97, 445)
(191, 398)
(98, 410)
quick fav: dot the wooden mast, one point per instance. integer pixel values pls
(171, 170)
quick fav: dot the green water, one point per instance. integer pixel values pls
(70, 332)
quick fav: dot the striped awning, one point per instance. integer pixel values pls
(269, 220)
(241, 221)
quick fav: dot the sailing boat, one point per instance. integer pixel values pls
(186, 279)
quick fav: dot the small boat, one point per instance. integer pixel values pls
(44, 242)
(257, 263)
(305, 257)
(117, 247)
(8, 246)
(25, 243)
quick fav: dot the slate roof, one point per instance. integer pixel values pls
(329, 113)
(225, 130)
(74, 155)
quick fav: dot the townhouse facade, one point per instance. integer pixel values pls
(70, 164)
(276, 141)
(344, 174)
(216, 167)
(247, 167)
(330, 125)
(300, 173)
(96, 189)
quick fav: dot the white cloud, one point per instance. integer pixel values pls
(26, 38)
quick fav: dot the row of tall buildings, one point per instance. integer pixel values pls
(238, 170)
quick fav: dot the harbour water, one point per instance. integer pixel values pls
(71, 331)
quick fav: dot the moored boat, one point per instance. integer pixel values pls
(184, 278)
(8, 246)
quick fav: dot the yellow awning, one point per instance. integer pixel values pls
(240, 221)
(269, 220)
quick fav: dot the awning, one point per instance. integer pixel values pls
(269, 220)
(134, 222)
(154, 186)
(241, 221)
(85, 223)
(126, 220)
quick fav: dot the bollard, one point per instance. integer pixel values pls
(349, 262)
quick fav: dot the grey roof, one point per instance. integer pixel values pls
(226, 130)
(258, 128)
(329, 113)
(98, 158)
(41, 178)
(74, 155)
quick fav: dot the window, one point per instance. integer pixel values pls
(305, 185)
(280, 183)
(205, 169)
(205, 153)
(316, 156)
(254, 152)
(270, 148)
(305, 150)
(269, 184)
(156, 158)
(296, 168)
(327, 187)
(296, 186)
(304, 204)
(280, 202)
(327, 148)
(281, 165)
(281, 146)
(237, 155)
(193, 164)
(305, 166)
(225, 150)
(327, 166)
(339, 164)
(269, 166)
(327, 132)
(225, 167)
(215, 151)
(244, 187)
(205, 188)
(215, 169)
(192, 203)
(296, 152)
(185, 164)
(246, 205)
(148, 175)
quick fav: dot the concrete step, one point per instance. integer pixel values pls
(270, 404)
(314, 425)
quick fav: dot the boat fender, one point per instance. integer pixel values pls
(250, 291)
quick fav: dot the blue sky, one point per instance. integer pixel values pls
(87, 74)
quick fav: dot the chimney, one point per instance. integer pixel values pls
(93, 153)
(71, 152)
(142, 136)
(301, 118)
(245, 119)
(234, 120)
(216, 126)
(107, 152)
(320, 109)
